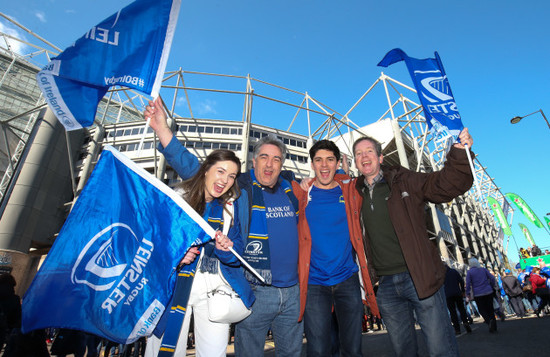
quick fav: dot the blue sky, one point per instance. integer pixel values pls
(495, 54)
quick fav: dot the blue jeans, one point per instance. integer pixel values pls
(277, 309)
(348, 307)
(397, 300)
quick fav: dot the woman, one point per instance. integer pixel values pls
(540, 289)
(480, 284)
(208, 192)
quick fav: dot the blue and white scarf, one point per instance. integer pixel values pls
(257, 252)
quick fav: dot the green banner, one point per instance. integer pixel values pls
(497, 211)
(525, 209)
(547, 221)
(535, 261)
(528, 235)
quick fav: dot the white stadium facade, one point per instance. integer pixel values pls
(43, 168)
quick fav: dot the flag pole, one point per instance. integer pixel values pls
(140, 146)
(147, 122)
(476, 183)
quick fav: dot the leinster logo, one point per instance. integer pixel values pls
(103, 259)
(253, 247)
(436, 87)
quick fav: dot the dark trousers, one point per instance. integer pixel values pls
(517, 305)
(454, 303)
(348, 308)
(544, 298)
(485, 307)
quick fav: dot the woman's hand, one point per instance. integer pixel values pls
(189, 257)
(158, 121)
(222, 241)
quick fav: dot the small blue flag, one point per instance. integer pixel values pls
(434, 91)
(130, 48)
(112, 269)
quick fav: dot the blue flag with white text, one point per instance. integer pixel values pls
(434, 91)
(112, 269)
(129, 48)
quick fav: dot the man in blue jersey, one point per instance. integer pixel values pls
(331, 255)
(272, 240)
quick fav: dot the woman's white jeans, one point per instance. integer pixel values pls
(210, 337)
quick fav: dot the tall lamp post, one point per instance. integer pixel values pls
(517, 119)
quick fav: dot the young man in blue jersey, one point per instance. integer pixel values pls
(331, 257)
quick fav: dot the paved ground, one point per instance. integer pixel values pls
(515, 337)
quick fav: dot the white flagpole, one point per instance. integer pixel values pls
(140, 146)
(476, 183)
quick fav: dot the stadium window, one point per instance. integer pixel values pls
(239, 146)
(122, 148)
(127, 132)
(292, 142)
(201, 129)
(217, 130)
(232, 146)
(224, 145)
(215, 146)
(233, 131)
(286, 141)
(257, 134)
(188, 144)
(225, 130)
(135, 131)
(209, 130)
(207, 145)
(183, 128)
(240, 132)
(192, 129)
(198, 145)
(148, 145)
(264, 134)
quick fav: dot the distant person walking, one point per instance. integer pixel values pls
(514, 291)
(540, 289)
(480, 286)
(454, 292)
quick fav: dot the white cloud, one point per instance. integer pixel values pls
(41, 16)
(15, 46)
(207, 107)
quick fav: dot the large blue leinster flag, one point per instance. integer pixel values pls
(112, 269)
(130, 48)
(434, 92)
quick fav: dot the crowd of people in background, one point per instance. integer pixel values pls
(533, 251)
